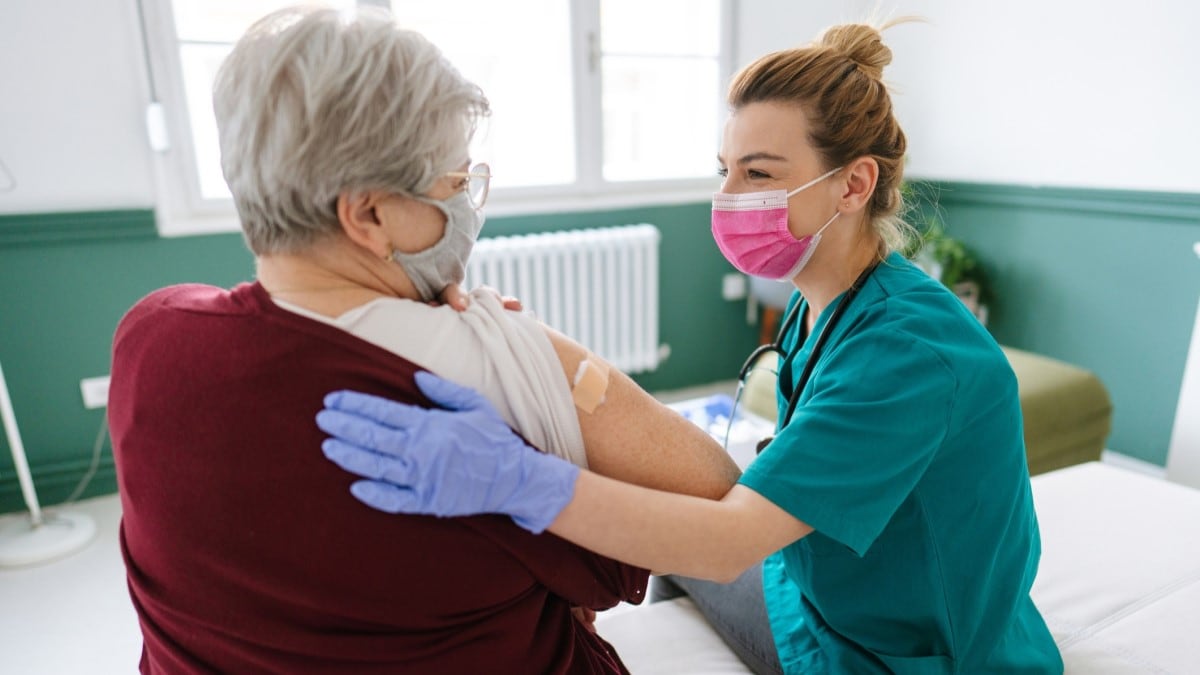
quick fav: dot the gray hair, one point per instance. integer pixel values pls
(313, 102)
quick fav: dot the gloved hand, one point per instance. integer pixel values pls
(460, 461)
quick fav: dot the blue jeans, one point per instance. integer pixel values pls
(736, 611)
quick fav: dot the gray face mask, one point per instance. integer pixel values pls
(444, 263)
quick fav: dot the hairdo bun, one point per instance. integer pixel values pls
(860, 43)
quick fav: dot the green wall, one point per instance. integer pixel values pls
(1103, 279)
(66, 279)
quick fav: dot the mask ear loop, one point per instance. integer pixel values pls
(814, 239)
(829, 222)
(814, 181)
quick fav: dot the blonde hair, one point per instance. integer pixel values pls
(837, 81)
(312, 102)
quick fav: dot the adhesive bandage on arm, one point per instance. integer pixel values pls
(589, 385)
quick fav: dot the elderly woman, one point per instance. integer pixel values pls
(344, 142)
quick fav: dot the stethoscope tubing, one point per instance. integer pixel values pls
(790, 320)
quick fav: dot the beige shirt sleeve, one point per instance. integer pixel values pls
(504, 355)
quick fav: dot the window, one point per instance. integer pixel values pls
(661, 78)
(595, 103)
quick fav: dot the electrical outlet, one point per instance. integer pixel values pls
(95, 391)
(733, 286)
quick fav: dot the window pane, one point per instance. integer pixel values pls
(660, 117)
(659, 69)
(226, 20)
(660, 65)
(519, 52)
(670, 27)
(206, 30)
(200, 64)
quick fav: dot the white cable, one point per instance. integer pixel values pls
(97, 447)
(11, 183)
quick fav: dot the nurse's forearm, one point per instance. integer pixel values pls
(672, 533)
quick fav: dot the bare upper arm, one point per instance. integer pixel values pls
(634, 438)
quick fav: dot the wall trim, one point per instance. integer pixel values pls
(56, 481)
(1158, 205)
(76, 226)
(1133, 463)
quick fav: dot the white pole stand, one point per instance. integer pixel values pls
(60, 534)
(30, 539)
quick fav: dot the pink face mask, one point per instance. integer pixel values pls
(751, 229)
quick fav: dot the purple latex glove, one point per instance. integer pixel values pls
(460, 461)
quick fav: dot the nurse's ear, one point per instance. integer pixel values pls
(861, 176)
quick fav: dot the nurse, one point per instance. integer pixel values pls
(892, 511)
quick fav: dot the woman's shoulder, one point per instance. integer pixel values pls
(184, 293)
(469, 343)
(186, 297)
(907, 296)
(899, 277)
(177, 309)
(484, 310)
(913, 306)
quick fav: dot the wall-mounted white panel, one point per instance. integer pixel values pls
(1183, 461)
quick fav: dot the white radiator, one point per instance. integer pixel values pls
(597, 286)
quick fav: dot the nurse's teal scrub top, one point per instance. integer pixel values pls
(905, 455)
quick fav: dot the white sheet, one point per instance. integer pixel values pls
(1119, 584)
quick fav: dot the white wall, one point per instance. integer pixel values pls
(1086, 94)
(72, 96)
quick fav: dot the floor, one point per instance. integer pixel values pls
(71, 615)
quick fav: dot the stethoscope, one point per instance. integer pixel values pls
(785, 369)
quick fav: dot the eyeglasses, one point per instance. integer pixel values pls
(478, 180)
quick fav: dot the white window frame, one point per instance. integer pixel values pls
(182, 210)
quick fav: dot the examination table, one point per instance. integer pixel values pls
(1119, 583)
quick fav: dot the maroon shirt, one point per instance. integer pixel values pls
(245, 550)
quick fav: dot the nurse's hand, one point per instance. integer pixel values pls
(463, 460)
(506, 301)
(454, 296)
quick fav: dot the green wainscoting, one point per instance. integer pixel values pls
(1100, 278)
(1103, 279)
(67, 278)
